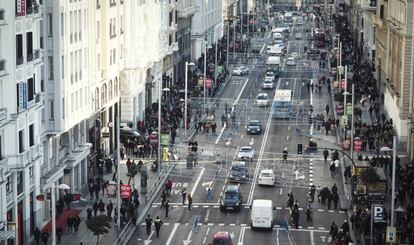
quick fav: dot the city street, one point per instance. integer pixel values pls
(295, 175)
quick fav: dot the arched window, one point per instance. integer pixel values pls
(104, 96)
(96, 99)
(110, 90)
(116, 87)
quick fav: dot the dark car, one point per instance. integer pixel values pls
(238, 172)
(232, 199)
(254, 127)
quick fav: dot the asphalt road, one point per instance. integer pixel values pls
(295, 175)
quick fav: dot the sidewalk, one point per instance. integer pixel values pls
(84, 235)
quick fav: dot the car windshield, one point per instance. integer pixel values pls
(221, 241)
(266, 175)
(238, 168)
(254, 124)
(245, 150)
(269, 74)
(230, 195)
(262, 97)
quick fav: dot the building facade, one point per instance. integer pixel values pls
(21, 114)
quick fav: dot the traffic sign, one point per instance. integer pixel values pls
(378, 212)
(391, 232)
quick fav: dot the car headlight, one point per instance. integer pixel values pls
(260, 179)
(258, 129)
(248, 129)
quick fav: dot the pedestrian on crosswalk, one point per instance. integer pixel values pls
(158, 223)
(335, 198)
(167, 208)
(325, 154)
(332, 169)
(189, 201)
(309, 214)
(312, 87)
(184, 194)
(329, 196)
(148, 223)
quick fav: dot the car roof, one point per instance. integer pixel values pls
(262, 94)
(254, 121)
(238, 163)
(291, 58)
(221, 234)
(246, 147)
(262, 203)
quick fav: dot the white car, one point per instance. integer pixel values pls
(298, 36)
(245, 153)
(291, 61)
(262, 100)
(270, 76)
(241, 70)
(267, 84)
(266, 177)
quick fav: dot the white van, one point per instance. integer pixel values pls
(262, 215)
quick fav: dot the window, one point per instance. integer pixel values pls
(98, 4)
(19, 49)
(29, 46)
(76, 100)
(72, 103)
(9, 184)
(110, 90)
(103, 99)
(170, 18)
(18, 96)
(63, 108)
(1, 153)
(62, 25)
(31, 89)
(116, 87)
(98, 31)
(31, 135)
(50, 60)
(49, 25)
(63, 66)
(21, 141)
(71, 68)
(31, 171)
(52, 110)
(81, 98)
(382, 12)
(20, 180)
(169, 40)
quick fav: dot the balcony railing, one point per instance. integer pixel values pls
(186, 11)
(29, 57)
(37, 54)
(3, 114)
(29, 10)
(36, 9)
(19, 60)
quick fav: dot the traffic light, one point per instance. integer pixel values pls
(300, 148)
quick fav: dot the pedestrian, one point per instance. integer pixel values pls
(312, 87)
(345, 227)
(325, 154)
(335, 198)
(90, 188)
(337, 163)
(332, 169)
(101, 207)
(37, 235)
(334, 189)
(167, 208)
(223, 120)
(183, 194)
(163, 198)
(329, 196)
(89, 213)
(309, 214)
(97, 188)
(148, 223)
(59, 234)
(189, 201)
(109, 208)
(334, 230)
(157, 223)
(327, 110)
(76, 223)
(95, 208)
(45, 236)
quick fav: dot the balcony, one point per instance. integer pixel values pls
(30, 57)
(29, 10)
(173, 27)
(370, 5)
(36, 9)
(19, 60)
(186, 11)
(76, 156)
(20, 161)
(52, 175)
(174, 46)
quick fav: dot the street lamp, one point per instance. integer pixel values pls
(205, 75)
(52, 190)
(186, 96)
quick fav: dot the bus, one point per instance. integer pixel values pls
(273, 64)
(319, 38)
(282, 106)
(288, 18)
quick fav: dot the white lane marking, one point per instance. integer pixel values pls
(277, 237)
(207, 216)
(281, 190)
(311, 102)
(188, 241)
(172, 233)
(264, 45)
(312, 239)
(148, 241)
(241, 236)
(197, 181)
(221, 133)
(259, 161)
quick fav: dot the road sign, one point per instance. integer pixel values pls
(378, 212)
(391, 231)
(126, 191)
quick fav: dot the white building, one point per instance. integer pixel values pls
(21, 104)
(207, 24)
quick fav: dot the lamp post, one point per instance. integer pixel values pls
(204, 76)
(186, 96)
(52, 196)
(345, 95)
(215, 65)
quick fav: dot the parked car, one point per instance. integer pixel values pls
(262, 214)
(291, 61)
(267, 84)
(222, 238)
(298, 36)
(232, 198)
(241, 70)
(262, 100)
(254, 127)
(294, 55)
(246, 153)
(266, 177)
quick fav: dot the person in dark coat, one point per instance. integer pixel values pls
(45, 237)
(148, 222)
(335, 198)
(345, 227)
(37, 234)
(76, 223)
(101, 207)
(329, 196)
(109, 208)
(95, 208)
(89, 213)
(59, 233)
(69, 223)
